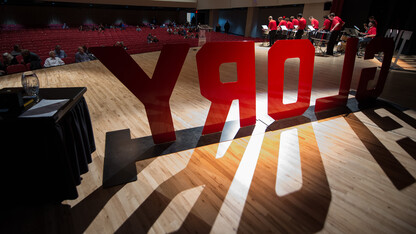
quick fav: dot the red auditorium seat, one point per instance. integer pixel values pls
(41, 41)
(43, 58)
(69, 60)
(19, 58)
(16, 68)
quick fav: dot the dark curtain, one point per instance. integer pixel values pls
(337, 7)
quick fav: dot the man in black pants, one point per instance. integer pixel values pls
(272, 32)
(335, 29)
(301, 26)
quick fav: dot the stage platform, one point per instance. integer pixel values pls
(348, 171)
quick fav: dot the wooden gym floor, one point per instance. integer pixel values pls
(350, 173)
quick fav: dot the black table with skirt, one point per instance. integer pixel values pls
(43, 158)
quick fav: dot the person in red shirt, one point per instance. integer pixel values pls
(327, 24)
(341, 22)
(281, 21)
(373, 20)
(294, 21)
(289, 26)
(279, 33)
(335, 29)
(370, 34)
(372, 31)
(301, 26)
(314, 22)
(315, 25)
(272, 30)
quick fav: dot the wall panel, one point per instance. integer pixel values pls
(41, 16)
(236, 18)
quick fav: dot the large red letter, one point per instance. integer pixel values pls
(278, 54)
(154, 93)
(344, 88)
(385, 45)
(209, 59)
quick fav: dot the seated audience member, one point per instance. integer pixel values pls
(85, 48)
(32, 58)
(80, 28)
(59, 53)
(81, 56)
(90, 55)
(122, 26)
(16, 50)
(169, 30)
(53, 61)
(138, 29)
(184, 32)
(152, 38)
(218, 28)
(8, 60)
(120, 44)
(149, 38)
(101, 28)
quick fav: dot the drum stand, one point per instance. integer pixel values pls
(317, 42)
(266, 35)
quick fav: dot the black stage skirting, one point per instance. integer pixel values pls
(42, 159)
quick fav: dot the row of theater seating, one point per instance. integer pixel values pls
(41, 41)
(21, 67)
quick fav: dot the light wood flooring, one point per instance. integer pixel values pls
(351, 173)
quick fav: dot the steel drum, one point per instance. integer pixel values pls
(321, 35)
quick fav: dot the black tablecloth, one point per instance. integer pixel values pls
(44, 158)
